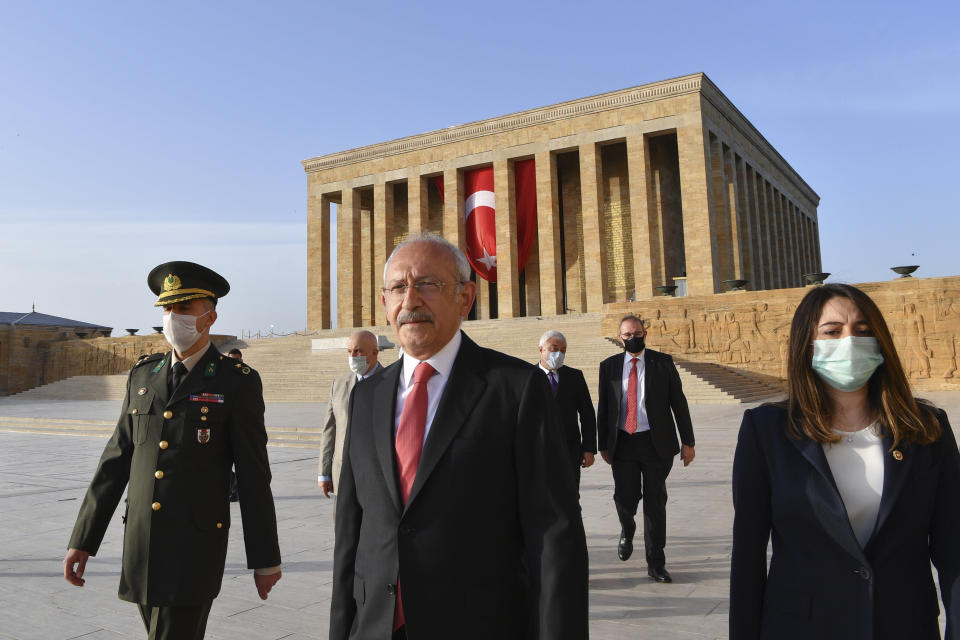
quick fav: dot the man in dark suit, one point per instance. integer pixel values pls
(640, 397)
(457, 515)
(188, 415)
(569, 389)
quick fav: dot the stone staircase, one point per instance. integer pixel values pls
(292, 372)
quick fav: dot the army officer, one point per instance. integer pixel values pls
(188, 415)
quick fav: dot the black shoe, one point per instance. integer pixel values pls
(628, 527)
(659, 574)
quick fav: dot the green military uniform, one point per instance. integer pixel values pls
(175, 453)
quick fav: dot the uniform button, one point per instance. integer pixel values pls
(156, 506)
(168, 414)
(135, 411)
(392, 589)
(158, 474)
(164, 444)
(219, 525)
(203, 418)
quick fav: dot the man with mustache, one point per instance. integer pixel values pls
(457, 515)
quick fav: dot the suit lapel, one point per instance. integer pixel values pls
(158, 381)
(616, 382)
(821, 490)
(384, 405)
(895, 473)
(460, 395)
(649, 376)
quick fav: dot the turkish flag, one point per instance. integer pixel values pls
(480, 222)
(479, 212)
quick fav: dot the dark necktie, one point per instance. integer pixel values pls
(179, 373)
(409, 445)
(553, 383)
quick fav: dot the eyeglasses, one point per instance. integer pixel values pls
(426, 289)
(635, 334)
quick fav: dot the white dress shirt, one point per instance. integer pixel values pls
(856, 463)
(643, 423)
(442, 361)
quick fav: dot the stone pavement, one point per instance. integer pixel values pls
(43, 478)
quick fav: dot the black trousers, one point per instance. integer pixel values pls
(640, 473)
(175, 623)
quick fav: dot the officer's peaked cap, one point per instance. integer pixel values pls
(179, 281)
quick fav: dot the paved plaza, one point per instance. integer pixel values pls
(43, 479)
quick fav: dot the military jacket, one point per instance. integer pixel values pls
(175, 454)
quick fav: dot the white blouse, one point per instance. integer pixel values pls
(857, 466)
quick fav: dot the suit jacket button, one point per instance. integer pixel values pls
(163, 444)
(156, 506)
(406, 531)
(863, 572)
(392, 589)
(168, 414)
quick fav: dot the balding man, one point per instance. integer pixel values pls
(577, 421)
(362, 353)
(457, 515)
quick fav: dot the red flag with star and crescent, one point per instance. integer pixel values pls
(479, 212)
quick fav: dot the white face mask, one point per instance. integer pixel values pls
(358, 364)
(846, 364)
(180, 330)
(555, 360)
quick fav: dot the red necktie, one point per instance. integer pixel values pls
(631, 422)
(409, 444)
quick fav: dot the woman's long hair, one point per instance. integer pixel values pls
(888, 391)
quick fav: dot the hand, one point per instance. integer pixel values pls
(265, 583)
(75, 557)
(606, 457)
(326, 486)
(587, 459)
(687, 454)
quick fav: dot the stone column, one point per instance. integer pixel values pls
(647, 272)
(418, 207)
(382, 242)
(548, 232)
(318, 263)
(745, 218)
(734, 213)
(453, 208)
(348, 259)
(781, 244)
(698, 240)
(365, 254)
(760, 260)
(508, 289)
(594, 236)
(483, 299)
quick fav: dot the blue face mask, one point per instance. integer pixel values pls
(846, 364)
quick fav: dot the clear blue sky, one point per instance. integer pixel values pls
(135, 133)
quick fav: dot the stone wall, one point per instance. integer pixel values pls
(750, 329)
(45, 357)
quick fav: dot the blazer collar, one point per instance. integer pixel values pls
(824, 497)
(461, 393)
(895, 473)
(158, 380)
(384, 406)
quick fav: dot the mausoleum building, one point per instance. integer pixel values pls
(569, 207)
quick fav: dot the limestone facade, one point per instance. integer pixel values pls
(750, 330)
(657, 184)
